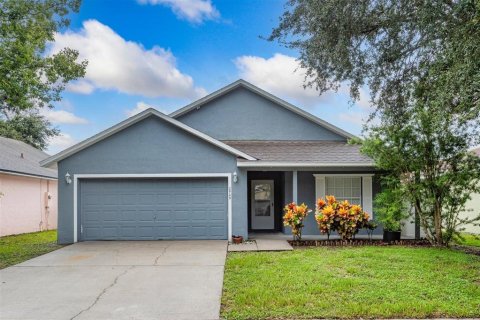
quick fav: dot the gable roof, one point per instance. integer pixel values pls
(19, 158)
(303, 152)
(247, 85)
(132, 120)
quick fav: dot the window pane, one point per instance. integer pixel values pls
(262, 191)
(339, 182)
(356, 192)
(348, 192)
(344, 188)
(356, 182)
(329, 182)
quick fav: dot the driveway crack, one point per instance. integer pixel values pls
(160, 255)
(114, 282)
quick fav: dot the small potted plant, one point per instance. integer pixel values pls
(391, 210)
(294, 216)
(237, 239)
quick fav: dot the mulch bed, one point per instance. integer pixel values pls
(366, 242)
(358, 242)
(469, 250)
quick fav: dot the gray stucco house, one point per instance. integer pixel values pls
(223, 165)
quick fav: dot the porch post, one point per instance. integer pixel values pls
(294, 187)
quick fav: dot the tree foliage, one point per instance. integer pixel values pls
(420, 62)
(30, 78)
(29, 128)
(390, 205)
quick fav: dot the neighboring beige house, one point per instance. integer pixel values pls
(473, 206)
(28, 192)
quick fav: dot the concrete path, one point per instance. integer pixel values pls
(261, 245)
(117, 280)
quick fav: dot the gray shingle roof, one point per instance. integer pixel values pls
(11, 159)
(302, 151)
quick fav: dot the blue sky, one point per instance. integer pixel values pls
(165, 54)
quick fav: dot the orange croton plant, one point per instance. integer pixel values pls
(294, 216)
(345, 218)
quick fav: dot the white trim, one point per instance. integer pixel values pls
(130, 121)
(278, 164)
(27, 175)
(295, 186)
(367, 195)
(153, 175)
(319, 187)
(242, 83)
(75, 208)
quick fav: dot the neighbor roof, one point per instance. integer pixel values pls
(242, 83)
(132, 120)
(17, 157)
(302, 153)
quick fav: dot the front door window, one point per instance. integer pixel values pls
(262, 204)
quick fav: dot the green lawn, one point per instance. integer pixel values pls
(369, 282)
(469, 240)
(18, 248)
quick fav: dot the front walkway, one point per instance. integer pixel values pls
(263, 242)
(117, 280)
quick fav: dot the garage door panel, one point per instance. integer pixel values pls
(147, 199)
(146, 216)
(148, 209)
(105, 215)
(216, 215)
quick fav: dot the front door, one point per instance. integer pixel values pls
(262, 210)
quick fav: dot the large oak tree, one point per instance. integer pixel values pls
(420, 61)
(29, 78)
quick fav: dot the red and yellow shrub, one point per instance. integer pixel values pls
(343, 217)
(293, 217)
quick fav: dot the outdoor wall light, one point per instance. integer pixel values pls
(235, 177)
(68, 179)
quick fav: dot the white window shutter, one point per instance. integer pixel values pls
(319, 187)
(367, 195)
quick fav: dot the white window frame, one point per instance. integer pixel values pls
(367, 193)
(76, 177)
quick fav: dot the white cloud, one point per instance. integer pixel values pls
(125, 66)
(280, 75)
(141, 106)
(357, 118)
(60, 142)
(62, 116)
(195, 11)
(283, 76)
(81, 86)
(364, 100)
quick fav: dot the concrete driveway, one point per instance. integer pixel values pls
(117, 280)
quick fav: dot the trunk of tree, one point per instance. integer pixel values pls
(437, 216)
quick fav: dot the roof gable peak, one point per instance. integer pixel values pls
(129, 122)
(280, 102)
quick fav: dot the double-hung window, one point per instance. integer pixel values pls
(356, 188)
